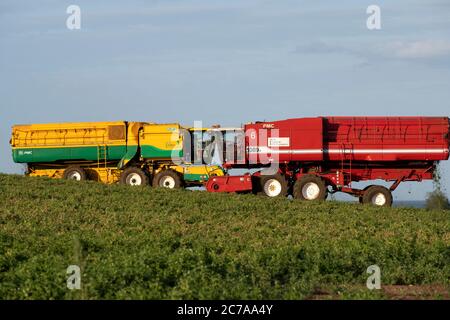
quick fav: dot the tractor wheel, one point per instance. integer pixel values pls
(310, 188)
(75, 173)
(273, 186)
(134, 177)
(378, 196)
(167, 179)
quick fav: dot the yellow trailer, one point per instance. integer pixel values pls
(162, 152)
(133, 153)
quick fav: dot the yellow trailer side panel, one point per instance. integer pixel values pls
(69, 141)
(161, 141)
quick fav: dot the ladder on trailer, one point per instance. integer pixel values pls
(102, 160)
(347, 155)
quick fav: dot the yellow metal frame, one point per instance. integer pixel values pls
(160, 139)
(106, 175)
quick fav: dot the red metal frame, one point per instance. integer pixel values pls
(229, 183)
(344, 149)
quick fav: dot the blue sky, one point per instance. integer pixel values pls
(221, 61)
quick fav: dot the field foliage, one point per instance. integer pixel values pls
(145, 243)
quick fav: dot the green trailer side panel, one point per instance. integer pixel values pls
(195, 177)
(131, 152)
(151, 152)
(91, 153)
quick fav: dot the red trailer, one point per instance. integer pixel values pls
(317, 156)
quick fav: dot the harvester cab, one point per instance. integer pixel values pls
(216, 146)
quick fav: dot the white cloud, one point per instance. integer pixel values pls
(429, 50)
(419, 49)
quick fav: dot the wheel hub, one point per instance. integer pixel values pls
(272, 188)
(379, 199)
(167, 182)
(134, 179)
(311, 191)
(75, 176)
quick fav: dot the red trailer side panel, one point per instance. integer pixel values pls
(386, 138)
(349, 139)
(284, 141)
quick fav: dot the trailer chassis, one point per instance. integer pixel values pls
(334, 178)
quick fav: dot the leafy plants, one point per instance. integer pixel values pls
(154, 243)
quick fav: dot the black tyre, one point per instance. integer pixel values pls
(272, 186)
(378, 196)
(75, 173)
(310, 188)
(167, 179)
(256, 184)
(134, 177)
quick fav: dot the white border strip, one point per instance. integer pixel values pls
(258, 150)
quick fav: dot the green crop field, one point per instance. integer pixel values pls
(145, 243)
